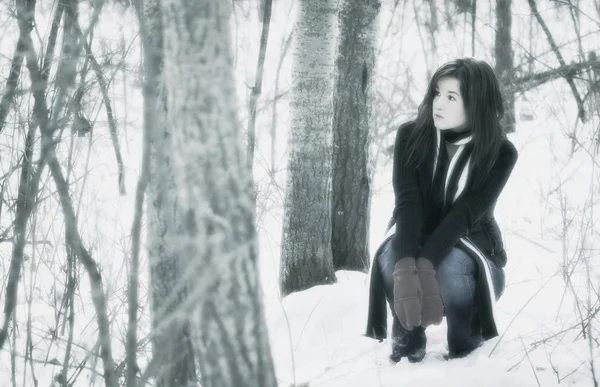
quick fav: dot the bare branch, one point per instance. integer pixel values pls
(530, 363)
(76, 244)
(28, 187)
(70, 300)
(569, 71)
(52, 40)
(112, 123)
(256, 90)
(48, 154)
(11, 82)
(133, 287)
(286, 45)
(562, 62)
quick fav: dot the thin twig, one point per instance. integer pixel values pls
(133, 287)
(28, 188)
(519, 312)
(33, 269)
(11, 82)
(52, 40)
(72, 234)
(13, 354)
(112, 122)
(286, 45)
(70, 297)
(530, 363)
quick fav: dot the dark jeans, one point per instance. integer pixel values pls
(457, 278)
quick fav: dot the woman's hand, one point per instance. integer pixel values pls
(432, 311)
(408, 295)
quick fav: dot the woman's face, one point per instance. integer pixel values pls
(448, 106)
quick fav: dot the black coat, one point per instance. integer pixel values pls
(419, 228)
(426, 228)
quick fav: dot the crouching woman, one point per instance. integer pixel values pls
(443, 253)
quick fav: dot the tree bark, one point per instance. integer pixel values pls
(171, 342)
(217, 239)
(306, 258)
(504, 61)
(352, 128)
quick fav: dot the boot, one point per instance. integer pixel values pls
(459, 354)
(461, 341)
(410, 344)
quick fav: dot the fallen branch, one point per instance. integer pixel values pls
(530, 362)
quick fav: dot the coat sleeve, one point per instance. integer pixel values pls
(470, 207)
(408, 212)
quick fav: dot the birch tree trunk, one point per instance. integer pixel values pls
(306, 258)
(218, 237)
(352, 128)
(504, 61)
(171, 343)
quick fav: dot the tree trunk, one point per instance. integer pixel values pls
(504, 61)
(217, 239)
(352, 128)
(306, 258)
(171, 343)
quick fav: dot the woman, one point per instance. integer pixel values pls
(443, 253)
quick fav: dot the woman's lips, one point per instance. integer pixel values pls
(437, 116)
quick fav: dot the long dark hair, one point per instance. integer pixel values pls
(481, 95)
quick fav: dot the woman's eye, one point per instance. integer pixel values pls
(451, 98)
